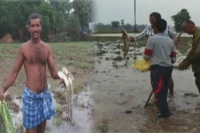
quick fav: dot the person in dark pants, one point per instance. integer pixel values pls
(162, 52)
(148, 32)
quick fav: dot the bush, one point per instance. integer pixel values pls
(61, 37)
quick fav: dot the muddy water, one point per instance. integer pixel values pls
(120, 93)
(82, 120)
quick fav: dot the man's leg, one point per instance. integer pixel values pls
(41, 128)
(171, 86)
(162, 94)
(197, 80)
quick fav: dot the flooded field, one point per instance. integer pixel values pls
(120, 93)
(113, 101)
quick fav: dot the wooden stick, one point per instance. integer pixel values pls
(148, 99)
(180, 34)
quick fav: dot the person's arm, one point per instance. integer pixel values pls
(14, 73)
(141, 35)
(192, 55)
(51, 64)
(173, 54)
(185, 63)
(148, 51)
(172, 34)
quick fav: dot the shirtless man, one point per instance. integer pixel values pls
(34, 55)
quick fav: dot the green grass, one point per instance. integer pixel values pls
(9, 50)
(103, 125)
(78, 54)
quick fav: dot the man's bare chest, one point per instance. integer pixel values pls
(36, 55)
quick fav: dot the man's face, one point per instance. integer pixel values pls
(152, 19)
(35, 28)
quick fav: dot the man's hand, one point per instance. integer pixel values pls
(176, 40)
(183, 65)
(1, 94)
(62, 81)
(131, 38)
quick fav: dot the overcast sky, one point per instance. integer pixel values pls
(109, 10)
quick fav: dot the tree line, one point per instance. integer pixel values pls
(116, 26)
(61, 19)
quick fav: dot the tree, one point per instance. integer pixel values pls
(14, 14)
(115, 24)
(83, 9)
(179, 18)
(62, 12)
(57, 15)
(74, 27)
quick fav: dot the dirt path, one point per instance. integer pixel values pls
(120, 93)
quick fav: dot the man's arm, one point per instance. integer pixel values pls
(148, 51)
(173, 54)
(141, 35)
(51, 64)
(192, 55)
(172, 34)
(17, 66)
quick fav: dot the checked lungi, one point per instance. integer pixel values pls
(36, 108)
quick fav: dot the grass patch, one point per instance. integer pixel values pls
(20, 129)
(102, 125)
(78, 54)
(58, 120)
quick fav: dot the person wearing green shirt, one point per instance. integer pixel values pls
(193, 57)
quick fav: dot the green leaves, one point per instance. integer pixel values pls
(56, 16)
(179, 18)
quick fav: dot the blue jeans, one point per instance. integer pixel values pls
(160, 78)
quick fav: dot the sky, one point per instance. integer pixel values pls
(115, 10)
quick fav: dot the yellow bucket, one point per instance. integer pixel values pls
(142, 65)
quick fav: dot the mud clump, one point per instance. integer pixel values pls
(60, 97)
(100, 53)
(11, 105)
(118, 58)
(190, 94)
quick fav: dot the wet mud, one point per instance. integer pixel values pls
(120, 93)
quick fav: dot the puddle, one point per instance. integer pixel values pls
(82, 121)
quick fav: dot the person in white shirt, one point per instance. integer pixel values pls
(148, 31)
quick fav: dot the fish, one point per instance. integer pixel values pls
(126, 41)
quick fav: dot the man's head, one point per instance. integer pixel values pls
(34, 25)
(189, 27)
(154, 16)
(159, 26)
